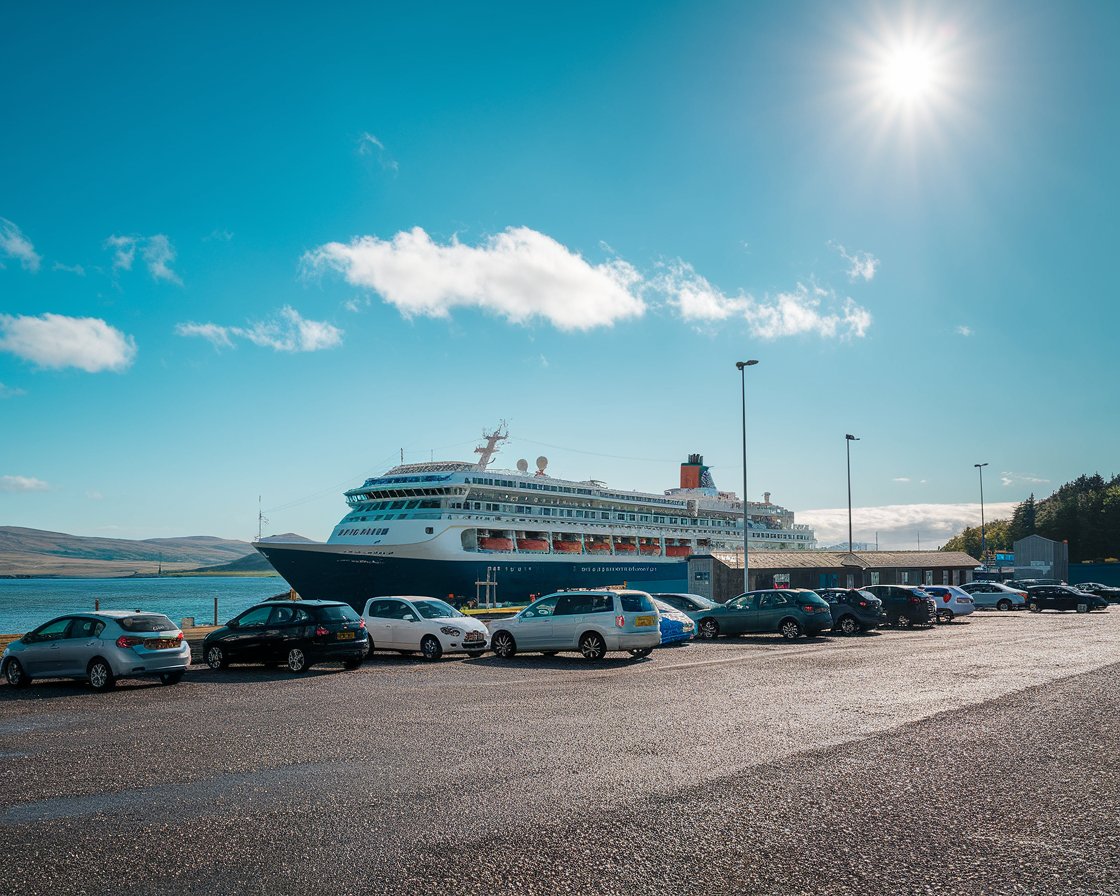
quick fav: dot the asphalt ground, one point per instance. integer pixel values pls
(981, 757)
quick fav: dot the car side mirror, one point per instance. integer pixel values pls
(408, 617)
(29, 638)
(233, 623)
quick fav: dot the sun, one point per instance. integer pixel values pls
(909, 74)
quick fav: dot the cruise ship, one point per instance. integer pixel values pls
(465, 531)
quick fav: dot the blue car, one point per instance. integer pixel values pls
(676, 627)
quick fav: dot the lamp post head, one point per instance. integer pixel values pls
(741, 364)
(850, 437)
(978, 466)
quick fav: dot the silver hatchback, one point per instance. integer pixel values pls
(99, 648)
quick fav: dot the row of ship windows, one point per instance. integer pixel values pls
(564, 489)
(363, 531)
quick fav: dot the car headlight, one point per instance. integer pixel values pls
(448, 630)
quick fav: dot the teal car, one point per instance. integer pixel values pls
(791, 612)
(694, 606)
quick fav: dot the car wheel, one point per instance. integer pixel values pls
(297, 661)
(850, 626)
(1004, 605)
(1034, 607)
(430, 648)
(790, 629)
(216, 657)
(1082, 608)
(904, 621)
(945, 616)
(641, 652)
(351, 665)
(171, 677)
(16, 675)
(503, 645)
(709, 629)
(475, 654)
(369, 650)
(100, 675)
(592, 646)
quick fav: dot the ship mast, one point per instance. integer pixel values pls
(486, 452)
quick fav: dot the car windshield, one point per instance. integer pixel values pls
(153, 622)
(340, 613)
(435, 609)
(635, 603)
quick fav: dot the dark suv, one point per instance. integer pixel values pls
(297, 633)
(905, 605)
(853, 610)
(1062, 597)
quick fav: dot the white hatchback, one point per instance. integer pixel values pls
(426, 625)
(951, 601)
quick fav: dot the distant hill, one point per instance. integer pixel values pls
(35, 552)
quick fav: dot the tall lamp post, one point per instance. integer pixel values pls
(742, 366)
(983, 542)
(848, 439)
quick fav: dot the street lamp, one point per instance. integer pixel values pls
(983, 543)
(742, 366)
(848, 439)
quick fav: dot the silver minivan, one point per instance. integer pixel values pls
(592, 622)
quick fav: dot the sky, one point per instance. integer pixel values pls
(251, 253)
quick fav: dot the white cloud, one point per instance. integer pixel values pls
(519, 274)
(156, 251)
(901, 479)
(791, 313)
(899, 526)
(962, 330)
(22, 484)
(222, 236)
(15, 245)
(369, 145)
(1006, 477)
(10, 391)
(286, 332)
(356, 304)
(69, 268)
(862, 265)
(55, 341)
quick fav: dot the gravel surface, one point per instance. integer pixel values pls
(979, 757)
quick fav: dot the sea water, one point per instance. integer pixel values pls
(27, 603)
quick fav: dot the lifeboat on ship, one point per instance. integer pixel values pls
(625, 546)
(597, 546)
(532, 542)
(566, 544)
(649, 548)
(490, 542)
(680, 549)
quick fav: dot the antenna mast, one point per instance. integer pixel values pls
(261, 519)
(487, 452)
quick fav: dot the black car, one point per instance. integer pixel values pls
(297, 633)
(1108, 592)
(1062, 597)
(853, 610)
(905, 605)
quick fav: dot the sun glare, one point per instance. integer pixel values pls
(909, 73)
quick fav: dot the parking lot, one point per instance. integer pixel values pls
(975, 757)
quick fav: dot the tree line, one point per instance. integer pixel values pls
(1085, 512)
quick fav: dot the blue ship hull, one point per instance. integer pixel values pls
(319, 575)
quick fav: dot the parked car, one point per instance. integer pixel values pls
(694, 606)
(853, 610)
(791, 612)
(425, 624)
(99, 648)
(995, 594)
(905, 605)
(1108, 592)
(951, 601)
(676, 627)
(298, 633)
(592, 622)
(1027, 583)
(1062, 597)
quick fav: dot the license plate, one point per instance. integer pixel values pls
(345, 636)
(160, 644)
(473, 636)
(645, 620)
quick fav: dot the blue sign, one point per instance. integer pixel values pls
(1005, 557)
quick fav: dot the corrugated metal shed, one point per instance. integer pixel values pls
(771, 560)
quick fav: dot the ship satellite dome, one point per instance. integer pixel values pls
(522, 465)
(542, 462)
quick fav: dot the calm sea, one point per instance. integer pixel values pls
(26, 603)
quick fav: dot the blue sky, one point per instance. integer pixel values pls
(258, 251)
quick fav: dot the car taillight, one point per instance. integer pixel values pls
(948, 597)
(809, 608)
(129, 641)
(863, 603)
(321, 631)
(620, 621)
(179, 637)
(361, 623)
(914, 599)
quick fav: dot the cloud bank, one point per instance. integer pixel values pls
(22, 484)
(53, 341)
(523, 275)
(899, 526)
(288, 331)
(15, 245)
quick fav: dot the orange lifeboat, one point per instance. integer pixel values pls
(649, 549)
(566, 547)
(495, 544)
(678, 550)
(532, 544)
(598, 547)
(624, 547)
